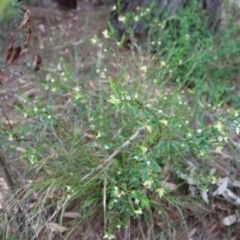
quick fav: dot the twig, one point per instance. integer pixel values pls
(6, 174)
(139, 130)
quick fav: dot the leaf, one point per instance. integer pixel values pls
(37, 62)
(171, 186)
(15, 54)
(2, 78)
(205, 196)
(229, 220)
(223, 184)
(89, 135)
(71, 215)
(54, 227)
(9, 52)
(29, 34)
(26, 18)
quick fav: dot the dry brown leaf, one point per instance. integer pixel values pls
(15, 55)
(9, 52)
(29, 34)
(162, 225)
(26, 18)
(37, 62)
(71, 215)
(56, 228)
(89, 135)
(2, 78)
(91, 84)
(171, 186)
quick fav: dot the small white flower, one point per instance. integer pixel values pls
(149, 128)
(138, 212)
(128, 98)
(99, 134)
(218, 126)
(162, 64)
(137, 201)
(35, 109)
(106, 33)
(109, 236)
(114, 8)
(93, 41)
(122, 19)
(164, 121)
(220, 138)
(136, 18)
(25, 115)
(10, 138)
(144, 149)
(52, 80)
(143, 69)
(237, 130)
(219, 149)
(199, 131)
(49, 117)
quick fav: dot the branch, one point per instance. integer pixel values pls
(139, 130)
(6, 174)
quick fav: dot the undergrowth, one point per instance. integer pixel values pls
(122, 149)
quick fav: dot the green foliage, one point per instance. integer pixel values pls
(7, 9)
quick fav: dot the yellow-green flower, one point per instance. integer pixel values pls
(138, 212)
(148, 183)
(164, 121)
(122, 19)
(106, 33)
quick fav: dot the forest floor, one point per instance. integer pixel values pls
(67, 35)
